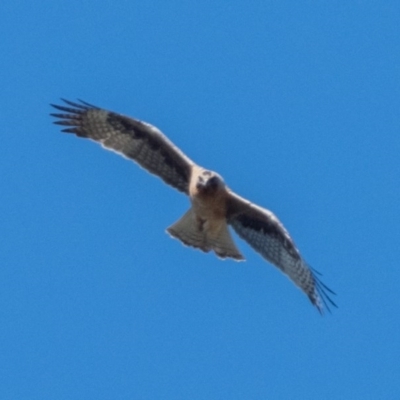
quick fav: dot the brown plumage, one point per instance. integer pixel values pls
(213, 205)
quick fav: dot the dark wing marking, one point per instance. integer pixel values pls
(265, 233)
(132, 138)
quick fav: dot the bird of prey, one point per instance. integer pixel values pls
(213, 205)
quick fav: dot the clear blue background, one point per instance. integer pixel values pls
(296, 104)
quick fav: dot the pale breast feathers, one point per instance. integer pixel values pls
(132, 138)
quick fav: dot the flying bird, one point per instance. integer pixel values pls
(213, 205)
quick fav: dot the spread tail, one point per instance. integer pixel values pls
(197, 233)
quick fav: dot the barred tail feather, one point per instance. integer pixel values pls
(223, 244)
(192, 233)
(186, 230)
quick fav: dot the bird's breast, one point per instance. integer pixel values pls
(209, 207)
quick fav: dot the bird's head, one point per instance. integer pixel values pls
(209, 182)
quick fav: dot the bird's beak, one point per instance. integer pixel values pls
(212, 182)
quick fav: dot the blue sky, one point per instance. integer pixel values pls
(296, 104)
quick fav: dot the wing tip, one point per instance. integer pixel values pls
(78, 107)
(72, 113)
(320, 297)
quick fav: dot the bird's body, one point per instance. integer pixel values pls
(205, 226)
(213, 205)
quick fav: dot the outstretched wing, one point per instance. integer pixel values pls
(266, 234)
(134, 139)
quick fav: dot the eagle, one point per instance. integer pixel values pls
(214, 207)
